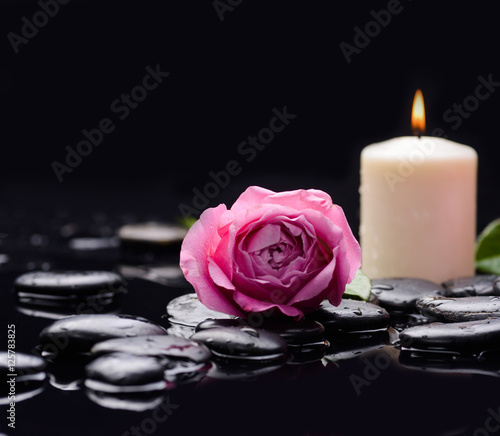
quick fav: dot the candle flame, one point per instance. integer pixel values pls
(418, 114)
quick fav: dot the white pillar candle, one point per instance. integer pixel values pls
(418, 208)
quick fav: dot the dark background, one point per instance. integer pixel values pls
(225, 79)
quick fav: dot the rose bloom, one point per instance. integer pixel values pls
(286, 251)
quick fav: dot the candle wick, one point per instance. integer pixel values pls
(418, 132)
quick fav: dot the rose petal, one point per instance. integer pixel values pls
(201, 239)
(267, 235)
(249, 304)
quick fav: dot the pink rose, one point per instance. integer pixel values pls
(283, 250)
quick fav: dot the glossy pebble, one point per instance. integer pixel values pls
(244, 343)
(460, 336)
(480, 285)
(122, 372)
(79, 333)
(351, 315)
(446, 309)
(189, 311)
(22, 363)
(401, 294)
(67, 284)
(152, 233)
(156, 346)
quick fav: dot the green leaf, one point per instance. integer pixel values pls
(187, 221)
(487, 255)
(360, 287)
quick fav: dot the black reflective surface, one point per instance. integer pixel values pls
(227, 78)
(362, 375)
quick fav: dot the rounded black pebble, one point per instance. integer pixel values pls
(447, 309)
(243, 343)
(480, 285)
(152, 233)
(460, 336)
(351, 315)
(150, 241)
(160, 346)
(305, 338)
(401, 294)
(67, 285)
(188, 310)
(119, 372)
(79, 333)
(211, 323)
(21, 362)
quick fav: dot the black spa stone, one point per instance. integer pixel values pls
(152, 234)
(480, 285)
(401, 294)
(187, 310)
(351, 315)
(22, 363)
(211, 323)
(298, 334)
(79, 333)
(160, 346)
(118, 372)
(465, 336)
(243, 343)
(67, 285)
(447, 309)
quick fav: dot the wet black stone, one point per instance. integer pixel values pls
(152, 233)
(4, 259)
(67, 285)
(23, 363)
(401, 294)
(162, 346)
(303, 333)
(79, 333)
(187, 310)
(164, 274)
(295, 333)
(480, 285)
(351, 315)
(243, 343)
(211, 323)
(110, 372)
(145, 243)
(460, 336)
(305, 338)
(29, 378)
(90, 244)
(447, 309)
